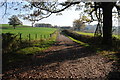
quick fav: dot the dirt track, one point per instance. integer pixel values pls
(65, 59)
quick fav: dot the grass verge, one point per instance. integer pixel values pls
(77, 41)
(92, 34)
(110, 53)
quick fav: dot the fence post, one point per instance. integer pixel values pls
(50, 35)
(44, 36)
(29, 37)
(36, 36)
(40, 36)
(20, 37)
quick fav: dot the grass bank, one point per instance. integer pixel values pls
(92, 34)
(92, 44)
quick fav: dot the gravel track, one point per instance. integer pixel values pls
(65, 59)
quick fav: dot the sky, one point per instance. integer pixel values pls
(66, 19)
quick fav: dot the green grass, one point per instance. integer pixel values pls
(30, 50)
(116, 36)
(38, 46)
(41, 32)
(83, 33)
(77, 41)
(7, 25)
(92, 34)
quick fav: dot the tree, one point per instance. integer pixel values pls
(14, 21)
(107, 22)
(77, 24)
(30, 18)
(80, 23)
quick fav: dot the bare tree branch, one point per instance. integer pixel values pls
(56, 11)
(4, 4)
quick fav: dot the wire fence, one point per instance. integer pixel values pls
(11, 42)
(30, 37)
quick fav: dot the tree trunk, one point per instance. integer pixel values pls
(107, 23)
(33, 24)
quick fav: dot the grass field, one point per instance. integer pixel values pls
(83, 33)
(92, 34)
(41, 32)
(33, 31)
(37, 44)
(7, 25)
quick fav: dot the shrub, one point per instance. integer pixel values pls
(9, 42)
